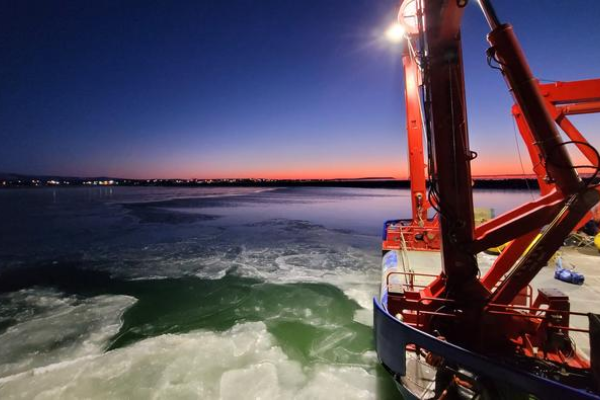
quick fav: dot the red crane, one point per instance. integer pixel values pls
(560, 98)
(480, 325)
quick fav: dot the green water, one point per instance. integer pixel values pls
(312, 323)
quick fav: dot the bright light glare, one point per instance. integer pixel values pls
(395, 33)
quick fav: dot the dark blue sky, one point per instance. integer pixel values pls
(245, 88)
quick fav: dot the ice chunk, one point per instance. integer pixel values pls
(242, 363)
(50, 328)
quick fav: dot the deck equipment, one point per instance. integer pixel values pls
(457, 334)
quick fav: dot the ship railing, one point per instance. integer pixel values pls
(423, 305)
(532, 313)
(524, 298)
(411, 285)
(544, 314)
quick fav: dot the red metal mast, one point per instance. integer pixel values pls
(414, 130)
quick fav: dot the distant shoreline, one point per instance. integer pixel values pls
(498, 183)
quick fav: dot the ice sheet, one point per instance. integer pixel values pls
(242, 363)
(49, 328)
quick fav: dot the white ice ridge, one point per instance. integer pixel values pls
(349, 269)
(51, 328)
(271, 257)
(242, 363)
(352, 270)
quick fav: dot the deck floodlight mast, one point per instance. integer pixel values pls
(395, 33)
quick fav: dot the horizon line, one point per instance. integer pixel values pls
(4, 176)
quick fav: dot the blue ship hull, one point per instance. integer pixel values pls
(392, 336)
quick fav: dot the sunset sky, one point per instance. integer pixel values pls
(242, 88)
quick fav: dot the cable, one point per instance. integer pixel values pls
(491, 55)
(547, 80)
(521, 160)
(596, 167)
(573, 347)
(405, 260)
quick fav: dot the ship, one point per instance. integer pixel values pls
(447, 325)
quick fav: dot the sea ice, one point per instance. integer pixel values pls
(49, 328)
(242, 363)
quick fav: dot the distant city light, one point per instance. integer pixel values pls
(395, 33)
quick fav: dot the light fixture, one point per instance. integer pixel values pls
(395, 33)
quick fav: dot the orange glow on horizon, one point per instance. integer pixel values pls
(321, 169)
(400, 172)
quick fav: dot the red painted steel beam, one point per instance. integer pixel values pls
(528, 96)
(534, 153)
(550, 241)
(517, 222)
(507, 259)
(571, 92)
(577, 97)
(414, 129)
(559, 114)
(580, 108)
(573, 133)
(451, 153)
